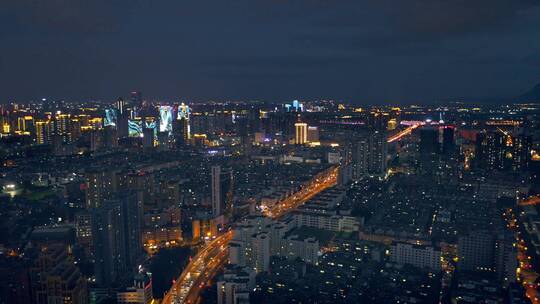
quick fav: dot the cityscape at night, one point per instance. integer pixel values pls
(270, 152)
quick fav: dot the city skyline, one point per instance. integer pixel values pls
(136, 202)
(270, 152)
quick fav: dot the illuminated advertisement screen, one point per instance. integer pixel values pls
(183, 111)
(165, 118)
(152, 125)
(134, 128)
(111, 118)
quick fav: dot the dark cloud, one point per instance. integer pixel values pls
(79, 17)
(271, 49)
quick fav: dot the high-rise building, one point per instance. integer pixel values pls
(181, 131)
(345, 174)
(313, 134)
(360, 157)
(143, 183)
(261, 251)
(122, 125)
(75, 128)
(148, 138)
(106, 237)
(63, 284)
(506, 261)
(251, 244)
(96, 140)
(110, 137)
(25, 124)
(56, 279)
(295, 106)
(378, 151)
(165, 119)
(429, 149)
(222, 190)
(519, 152)
(498, 150)
(5, 127)
(301, 133)
(377, 121)
(120, 105)
(116, 234)
(101, 183)
(490, 150)
(429, 141)
(83, 228)
(62, 127)
(448, 142)
(42, 132)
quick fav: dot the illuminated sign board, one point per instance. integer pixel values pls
(134, 128)
(165, 118)
(111, 118)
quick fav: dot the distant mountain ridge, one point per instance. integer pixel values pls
(531, 95)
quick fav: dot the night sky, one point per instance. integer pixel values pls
(359, 51)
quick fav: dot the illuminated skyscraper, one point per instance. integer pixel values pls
(181, 131)
(295, 106)
(62, 127)
(135, 128)
(165, 119)
(183, 111)
(120, 105)
(111, 117)
(181, 127)
(301, 133)
(25, 124)
(42, 131)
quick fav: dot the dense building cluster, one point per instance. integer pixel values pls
(298, 202)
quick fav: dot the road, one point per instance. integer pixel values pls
(404, 132)
(526, 275)
(209, 260)
(530, 201)
(319, 184)
(199, 271)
